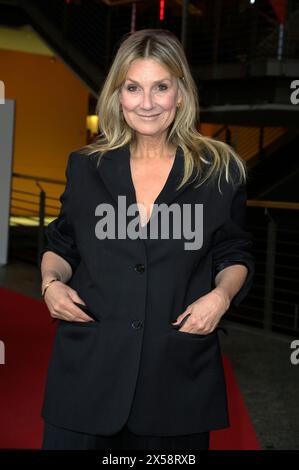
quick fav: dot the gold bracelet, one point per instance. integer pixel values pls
(47, 285)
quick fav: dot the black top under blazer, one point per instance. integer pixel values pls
(132, 366)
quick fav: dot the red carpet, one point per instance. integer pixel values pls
(240, 435)
(27, 332)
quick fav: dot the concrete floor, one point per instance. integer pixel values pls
(265, 374)
(269, 383)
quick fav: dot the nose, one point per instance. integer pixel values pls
(147, 102)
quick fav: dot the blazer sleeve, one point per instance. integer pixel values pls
(59, 233)
(232, 244)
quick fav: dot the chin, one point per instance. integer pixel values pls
(147, 129)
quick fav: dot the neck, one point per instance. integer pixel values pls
(149, 149)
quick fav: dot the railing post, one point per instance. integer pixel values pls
(42, 205)
(270, 271)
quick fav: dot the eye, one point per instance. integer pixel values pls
(163, 85)
(131, 86)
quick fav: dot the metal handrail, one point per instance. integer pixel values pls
(240, 34)
(273, 204)
(38, 178)
(43, 207)
(277, 269)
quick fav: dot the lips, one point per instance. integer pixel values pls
(149, 117)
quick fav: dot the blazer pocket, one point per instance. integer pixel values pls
(186, 334)
(76, 346)
(78, 324)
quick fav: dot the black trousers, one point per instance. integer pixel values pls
(56, 438)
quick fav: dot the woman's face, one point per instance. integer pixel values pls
(149, 97)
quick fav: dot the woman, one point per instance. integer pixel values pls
(136, 361)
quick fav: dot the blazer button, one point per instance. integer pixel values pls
(140, 268)
(137, 324)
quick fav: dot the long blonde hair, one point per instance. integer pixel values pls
(164, 47)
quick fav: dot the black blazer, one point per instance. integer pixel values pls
(132, 365)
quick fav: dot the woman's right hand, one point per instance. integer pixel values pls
(60, 300)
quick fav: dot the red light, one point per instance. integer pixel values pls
(162, 4)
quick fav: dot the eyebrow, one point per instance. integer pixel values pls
(156, 81)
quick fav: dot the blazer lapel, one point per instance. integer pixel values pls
(115, 172)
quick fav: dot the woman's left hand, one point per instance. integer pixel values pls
(206, 313)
